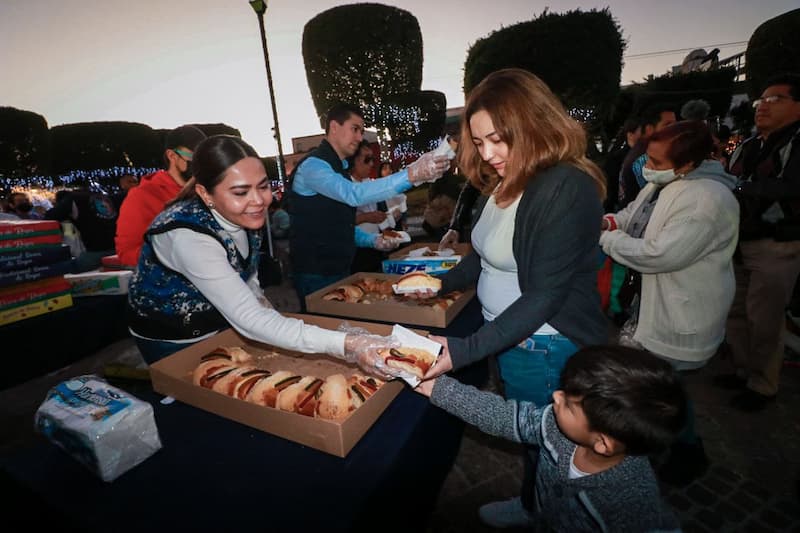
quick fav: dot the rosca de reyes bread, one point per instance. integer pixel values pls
(418, 281)
(415, 361)
(332, 398)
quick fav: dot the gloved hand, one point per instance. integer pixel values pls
(429, 167)
(385, 245)
(449, 240)
(363, 349)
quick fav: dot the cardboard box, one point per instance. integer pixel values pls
(36, 272)
(401, 263)
(33, 256)
(35, 291)
(393, 311)
(15, 229)
(173, 376)
(99, 283)
(29, 310)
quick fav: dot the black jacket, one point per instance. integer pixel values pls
(769, 190)
(555, 244)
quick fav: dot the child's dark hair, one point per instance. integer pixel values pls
(628, 394)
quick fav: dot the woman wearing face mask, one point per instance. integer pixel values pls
(680, 233)
(197, 271)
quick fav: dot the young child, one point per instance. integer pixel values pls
(615, 406)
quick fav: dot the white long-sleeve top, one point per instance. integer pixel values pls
(204, 262)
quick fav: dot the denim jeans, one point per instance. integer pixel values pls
(533, 373)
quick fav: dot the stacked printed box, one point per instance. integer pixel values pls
(33, 261)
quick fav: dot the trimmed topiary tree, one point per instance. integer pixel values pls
(94, 145)
(773, 48)
(385, 59)
(24, 143)
(577, 53)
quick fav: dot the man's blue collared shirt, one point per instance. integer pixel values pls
(315, 176)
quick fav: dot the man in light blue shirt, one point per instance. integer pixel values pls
(323, 200)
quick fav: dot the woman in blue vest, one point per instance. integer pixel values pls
(197, 271)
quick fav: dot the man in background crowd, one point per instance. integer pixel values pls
(631, 180)
(768, 166)
(145, 201)
(323, 200)
(626, 139)
(372, 217)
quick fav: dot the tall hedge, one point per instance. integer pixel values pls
(362, 54)
(773, 48)
(577, 53)
(93, 145)
(24, 143)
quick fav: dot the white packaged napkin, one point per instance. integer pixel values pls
(419, 252)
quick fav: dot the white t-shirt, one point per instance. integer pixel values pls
(205, 263)
(498, 284)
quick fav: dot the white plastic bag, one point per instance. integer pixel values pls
(72, 237)
(103, 427)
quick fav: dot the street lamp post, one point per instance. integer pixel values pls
(260, 7)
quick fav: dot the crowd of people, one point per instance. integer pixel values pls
(709, 243)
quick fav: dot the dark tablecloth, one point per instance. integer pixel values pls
(39, 345)
(216, 474)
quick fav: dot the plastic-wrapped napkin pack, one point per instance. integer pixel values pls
(103, 427)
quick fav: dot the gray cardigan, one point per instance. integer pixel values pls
(555, 245)
(625, 497)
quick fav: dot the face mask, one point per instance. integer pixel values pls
(24, 207)
(187, 174)
(659, 177)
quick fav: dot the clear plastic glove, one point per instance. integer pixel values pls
(363, 349)
(449, 240)
(429, 167)
(385, 245)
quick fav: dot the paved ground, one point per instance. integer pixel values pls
(752, 484)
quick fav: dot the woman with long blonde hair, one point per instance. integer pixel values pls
(535, 238)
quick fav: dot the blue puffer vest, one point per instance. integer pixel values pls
(164, 304)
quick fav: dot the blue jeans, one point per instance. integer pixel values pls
(689, 434)
(305, 284)
(533, 373)
(153, 350)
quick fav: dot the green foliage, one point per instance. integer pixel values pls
(361, 54)
(578, 54)
(416, 118)
(24, 143)
(774, 48)
(93, 145)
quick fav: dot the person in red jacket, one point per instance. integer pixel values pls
(144, 202)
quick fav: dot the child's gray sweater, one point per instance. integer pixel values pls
(623, 498)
